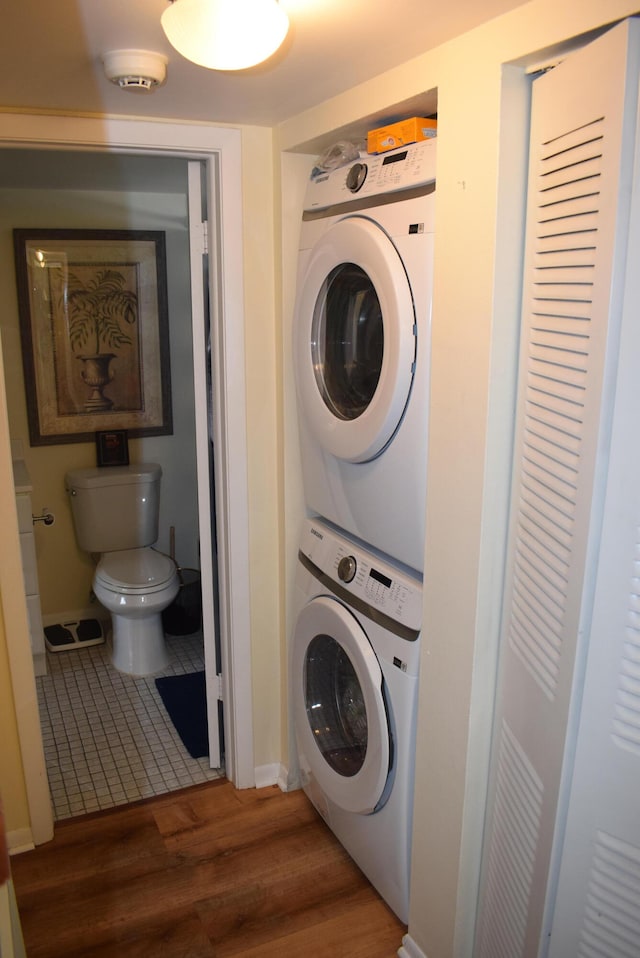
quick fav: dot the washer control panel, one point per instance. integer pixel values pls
(374, 174)
(373, 579)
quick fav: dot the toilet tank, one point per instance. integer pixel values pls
(115, 507)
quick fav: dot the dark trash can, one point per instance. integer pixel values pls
(184, 615)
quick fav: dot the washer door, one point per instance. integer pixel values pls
(339, 710)
(354, 340)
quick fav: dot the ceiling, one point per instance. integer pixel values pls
(52, 56)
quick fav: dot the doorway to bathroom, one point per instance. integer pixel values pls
(105, 736)
(183, 472)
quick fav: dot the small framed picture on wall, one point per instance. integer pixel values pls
(112, 448)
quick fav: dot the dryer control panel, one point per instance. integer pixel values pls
(370, 577)
(374, 175)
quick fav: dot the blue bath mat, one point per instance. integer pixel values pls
(185, 699)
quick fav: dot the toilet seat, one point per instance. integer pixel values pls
(135, 571)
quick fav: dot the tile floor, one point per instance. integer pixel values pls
(107, 737)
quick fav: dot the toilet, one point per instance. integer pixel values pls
(115, 514)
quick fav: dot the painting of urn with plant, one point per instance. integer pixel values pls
(94, 332)
(101, 308)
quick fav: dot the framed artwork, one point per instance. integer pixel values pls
(112, 448)
(95, 333)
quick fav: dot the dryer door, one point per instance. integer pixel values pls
(338, 704)
(354, 340)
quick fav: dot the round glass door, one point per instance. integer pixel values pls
(336, 710)
(347, 341)
(339, 709)
(354, 340)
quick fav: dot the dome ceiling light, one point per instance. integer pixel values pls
(138, 71)
(225, 34)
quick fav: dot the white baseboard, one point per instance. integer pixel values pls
(409, 949)
(20, 840)
(293, 780)
(276, 774)
(289, 778)
(283, 779)
(11, 940)
(266, 775)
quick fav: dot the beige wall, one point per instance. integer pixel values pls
(12, 790)
(294, 172)
(19, 721)
(482, 114)
(263, 439)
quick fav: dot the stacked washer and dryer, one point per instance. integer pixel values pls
(361, 344)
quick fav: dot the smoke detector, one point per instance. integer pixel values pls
(139, 71)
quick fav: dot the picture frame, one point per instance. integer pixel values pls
(94, 331)
(112, 448)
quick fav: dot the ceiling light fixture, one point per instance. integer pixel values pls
(225, 34)
(138, 71)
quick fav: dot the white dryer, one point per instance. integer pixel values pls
(361, 339)
(354, 691)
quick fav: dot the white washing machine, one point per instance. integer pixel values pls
(361, 339)
(354, 690)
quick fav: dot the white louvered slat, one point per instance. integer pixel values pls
(611, 923)
(511, 854)
(626, 714)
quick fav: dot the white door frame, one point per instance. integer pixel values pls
(203, 360)
(220, 149)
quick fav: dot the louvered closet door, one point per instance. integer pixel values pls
(597, 909)
(583, 124)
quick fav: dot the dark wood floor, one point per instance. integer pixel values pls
(208, 871)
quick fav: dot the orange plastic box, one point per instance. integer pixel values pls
(400, 134)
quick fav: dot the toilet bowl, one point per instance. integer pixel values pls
(135, 586)
(115, 515)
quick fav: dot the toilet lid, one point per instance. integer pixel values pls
(135, 570)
